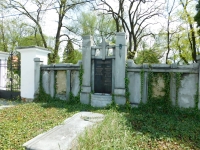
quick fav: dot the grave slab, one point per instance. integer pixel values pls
(63, 137)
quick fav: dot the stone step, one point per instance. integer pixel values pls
(63, 137)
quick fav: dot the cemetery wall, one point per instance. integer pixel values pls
(60, 80)
(150, 81)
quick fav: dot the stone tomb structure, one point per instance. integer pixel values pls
(104, 72)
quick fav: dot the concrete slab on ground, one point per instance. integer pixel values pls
(63, 137)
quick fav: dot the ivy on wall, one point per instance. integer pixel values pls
(161, 101)
(127, 93)
(142, 83)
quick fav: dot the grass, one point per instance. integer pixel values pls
(24, 121)
(145, 127)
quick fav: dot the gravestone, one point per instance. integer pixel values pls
(103, 76)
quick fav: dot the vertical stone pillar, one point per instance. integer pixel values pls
(86, 62)
(52, 82)
(68, 80)
(173, 86)
(37, 75)
(120, 66)
(28, 70)
(3, 69)
(198, 60)
(145, 84)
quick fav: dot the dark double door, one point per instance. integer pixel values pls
(103, 76)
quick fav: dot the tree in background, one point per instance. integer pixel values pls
(191, 32)
(70, 55)
(197, 16)
(62, 8)
(134, 21)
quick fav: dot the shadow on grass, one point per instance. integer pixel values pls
(167, 123)
(69, 106)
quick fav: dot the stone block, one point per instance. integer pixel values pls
(199, 105)
(61, 82)
(86, 89)
(134, 87)
(85, 98)
(160, 66)
(174, 66)
(64, 136)
(129, 63)
(187, 91)
(158, 87)
(45, 82)
(145, 66)
(75, 83)
(120, 100)
(173, 89)
(119, 91)
(101, 100)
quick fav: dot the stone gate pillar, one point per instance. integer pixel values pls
(86, 62)
(120, 66)
(3, 69)
(30, 61)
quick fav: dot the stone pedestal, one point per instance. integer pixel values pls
(86, 62)
(120, 66)
(31, 57)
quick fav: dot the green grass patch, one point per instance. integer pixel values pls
(146, 127)
(23, 122)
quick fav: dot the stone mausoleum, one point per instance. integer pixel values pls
(104, 71)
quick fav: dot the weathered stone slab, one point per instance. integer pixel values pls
(134, 87)
(61, 82)
(45, 82)
(75, 82)
(101, 100)
(187, 91)
(63, 137)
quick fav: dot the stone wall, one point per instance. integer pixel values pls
(138, 76)
(59, 80)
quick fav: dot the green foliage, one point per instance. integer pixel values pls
(142, 83)
(70, 55)
(139, 128)
(147, 56)
(127, 93)
(197, 16)
(163, 102)
(73, 57)
(88, 23)
(31, 40)
(25, 121)
(143, 128)
(41, 95)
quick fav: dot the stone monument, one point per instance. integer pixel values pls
(104, 72)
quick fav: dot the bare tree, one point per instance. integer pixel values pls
(191, 33)
(61, 7)
(133, 17)
(170, 9)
